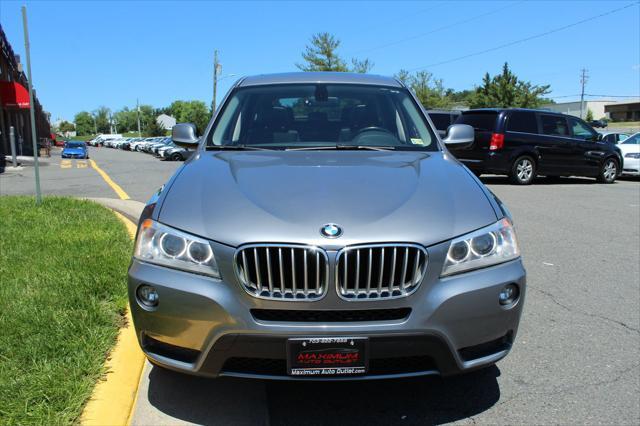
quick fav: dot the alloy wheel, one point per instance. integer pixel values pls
(610, 170)
(524, 169)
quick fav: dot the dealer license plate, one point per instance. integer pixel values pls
(327, 356)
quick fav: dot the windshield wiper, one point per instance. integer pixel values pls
(240, 147)
(344, 147)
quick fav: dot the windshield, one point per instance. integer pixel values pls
(74, 145)
(632, 140)
(312, 116)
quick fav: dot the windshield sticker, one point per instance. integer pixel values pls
(417, 141)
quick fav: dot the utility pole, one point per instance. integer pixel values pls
(583, 82)
(34, 136)
(138, 109)
(217, 69)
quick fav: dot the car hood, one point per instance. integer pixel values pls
(287, 196)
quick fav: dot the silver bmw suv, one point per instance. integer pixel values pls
(321, 230)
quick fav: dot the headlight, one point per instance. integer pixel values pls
(162, 245)
(485, 247)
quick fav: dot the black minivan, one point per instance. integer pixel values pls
(524, 143)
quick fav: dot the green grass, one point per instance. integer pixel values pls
(630, 124)
(62, 297)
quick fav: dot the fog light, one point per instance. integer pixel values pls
(509, 294)
(147, 295)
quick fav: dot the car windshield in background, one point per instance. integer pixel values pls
(319, 116)
(74, 145)
(632, 140)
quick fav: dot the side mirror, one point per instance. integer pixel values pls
(599, 137)
(459, 136)
(184, 134)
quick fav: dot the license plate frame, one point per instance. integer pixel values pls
(327, 356)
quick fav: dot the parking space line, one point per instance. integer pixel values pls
(123, 195)
(65, 164)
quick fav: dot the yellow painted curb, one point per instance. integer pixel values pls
(123, 195)
(113, 398)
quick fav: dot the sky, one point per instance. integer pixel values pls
(88, 54)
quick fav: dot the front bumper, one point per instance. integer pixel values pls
(210, 327)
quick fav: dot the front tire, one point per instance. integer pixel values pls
(608, 171)
(523, 171)
(176, 157)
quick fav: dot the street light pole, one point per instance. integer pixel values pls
(583, 81)
(138, 110)
(36, 165)
(216, 69)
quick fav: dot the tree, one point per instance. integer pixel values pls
(126, 120)
(321, 55)
(429, 91)
(65, 126)
(589, 116)
(361, 66)
(147, 116)
(195, 112)
(84, 123)
(153, 128)
(506, 90)
(102, 119)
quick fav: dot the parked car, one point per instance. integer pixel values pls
(614, 137)
(599, 123)
(161, 150)
(59, 142)
(105, 138)
(176, 154)
(630, 148)
(295, 244)
(524, 143)
(443, 119)
(75, 149)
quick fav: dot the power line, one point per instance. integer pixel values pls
(435, 30)
(522, 40)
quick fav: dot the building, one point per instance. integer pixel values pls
(573, 108)
(14, 104)
(623, 111)
(599, 108)
(166, 121)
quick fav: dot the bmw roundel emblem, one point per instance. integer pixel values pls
(331, 230)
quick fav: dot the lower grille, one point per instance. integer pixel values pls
(486, 349)
(282, 315)
(377, 366)
(170, 351)
(381, 271)
(283, 271)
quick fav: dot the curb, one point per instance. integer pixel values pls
(113, 398)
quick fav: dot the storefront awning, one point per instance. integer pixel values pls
(13, 95)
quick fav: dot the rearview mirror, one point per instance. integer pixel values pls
(184, 134)
(459, 136)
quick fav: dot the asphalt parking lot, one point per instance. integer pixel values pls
(577, 355)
